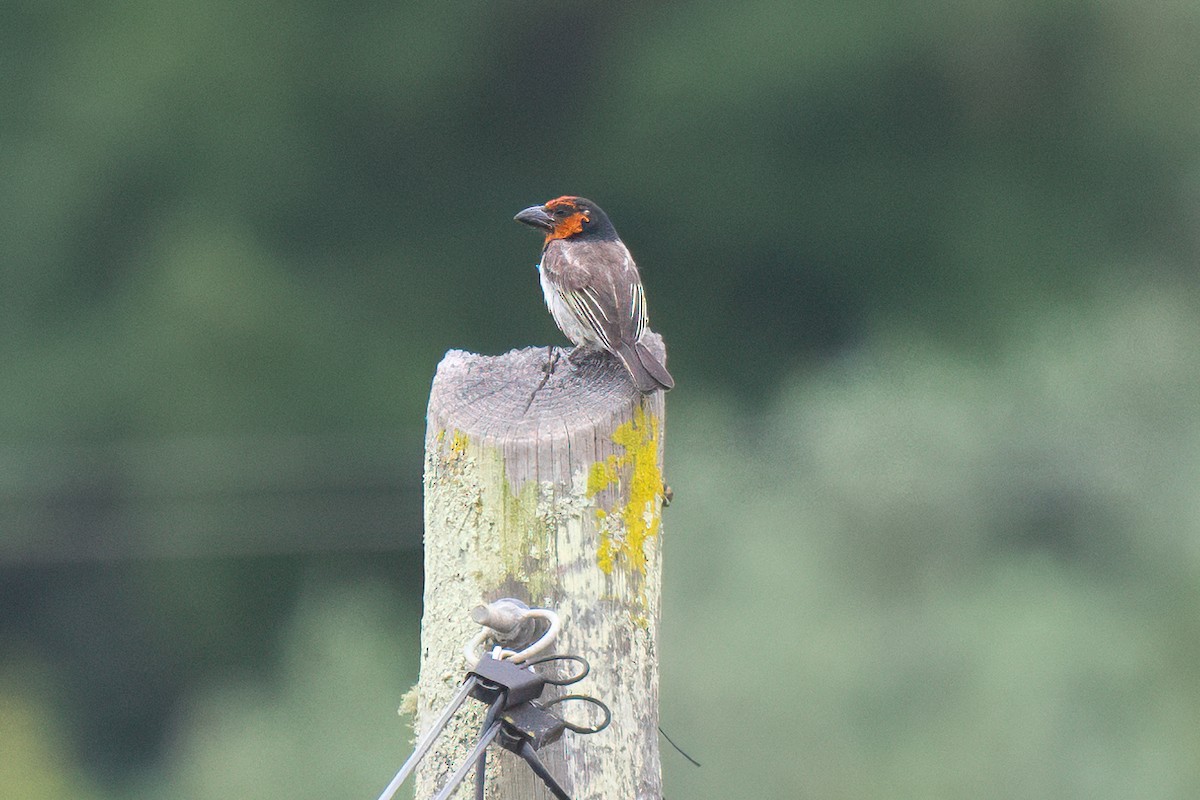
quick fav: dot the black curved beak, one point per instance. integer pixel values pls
(536, 217)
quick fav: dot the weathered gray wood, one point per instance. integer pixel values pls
(558, 504)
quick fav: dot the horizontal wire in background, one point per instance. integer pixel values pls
(209, 496)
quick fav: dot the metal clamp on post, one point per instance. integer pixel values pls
(504, 678)
(511, 624)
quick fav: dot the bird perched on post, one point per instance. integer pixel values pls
(592, 286)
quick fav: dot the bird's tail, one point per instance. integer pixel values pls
(647, 372)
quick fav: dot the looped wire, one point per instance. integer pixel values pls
(585, 668)
(575, 727)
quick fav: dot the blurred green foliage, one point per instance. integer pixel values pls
(319, 728)
(927, 273)
(936, 578)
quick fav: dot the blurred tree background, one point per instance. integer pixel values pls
(926, 270)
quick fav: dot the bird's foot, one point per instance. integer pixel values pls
(547, 371)
(577, 354)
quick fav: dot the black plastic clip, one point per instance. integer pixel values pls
(529, 727)
(493, 679)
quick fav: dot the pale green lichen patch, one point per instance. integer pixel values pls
(526, 538)
(509, 531)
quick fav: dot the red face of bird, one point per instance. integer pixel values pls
(568, 217)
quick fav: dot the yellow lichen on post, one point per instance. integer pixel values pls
(626, 528)
(602, 475)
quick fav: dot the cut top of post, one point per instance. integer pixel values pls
(510, 398)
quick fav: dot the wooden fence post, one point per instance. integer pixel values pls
(556, 502)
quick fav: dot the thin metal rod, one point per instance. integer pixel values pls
(468, 762)
(481, 771)
(426, 741)
(535, 764)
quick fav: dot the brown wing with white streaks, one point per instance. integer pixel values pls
(599, 282)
